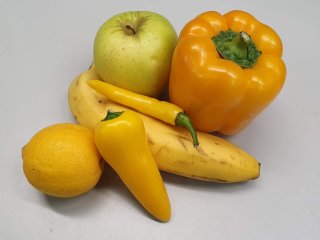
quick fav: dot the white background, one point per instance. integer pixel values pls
(44, 44)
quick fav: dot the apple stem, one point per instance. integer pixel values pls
(132, 31)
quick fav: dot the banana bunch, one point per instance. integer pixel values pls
(214, 160)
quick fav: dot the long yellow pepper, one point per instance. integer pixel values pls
(121, 140)
(162, 110)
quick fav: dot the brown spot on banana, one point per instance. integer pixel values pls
(150, 141)
(202, 178)
(160, 149)
(180, 139)
(223, 162)
(100, 99)
(201, 151)
(103, 101)
(186, 138)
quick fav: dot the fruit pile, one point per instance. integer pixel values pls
(221, 72)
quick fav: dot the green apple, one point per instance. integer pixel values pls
(133, 50)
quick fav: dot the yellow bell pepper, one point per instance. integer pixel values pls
(121, 140)
(225, 70)
(162, 110)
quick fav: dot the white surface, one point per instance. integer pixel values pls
(44, 44)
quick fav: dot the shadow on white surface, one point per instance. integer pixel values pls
(109, 191)
(206, 186)
(195, 184)
(77, 206)
(110, 183)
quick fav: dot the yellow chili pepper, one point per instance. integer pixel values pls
(161, 110)
(121, 140)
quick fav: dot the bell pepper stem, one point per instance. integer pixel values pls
(183, 120)
(237, 47)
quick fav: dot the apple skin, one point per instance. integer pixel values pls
(133, 50)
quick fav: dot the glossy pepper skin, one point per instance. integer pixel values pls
(121, 140)
(217, 93)
(162, 110)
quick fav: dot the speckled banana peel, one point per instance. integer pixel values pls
(215, 159)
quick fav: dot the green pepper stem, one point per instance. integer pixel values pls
(240, 43)
(237, 47)
(111, 115)
(183, 120)
(245, 38)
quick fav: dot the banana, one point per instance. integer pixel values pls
(215, 159)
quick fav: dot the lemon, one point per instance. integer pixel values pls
(62, 160)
